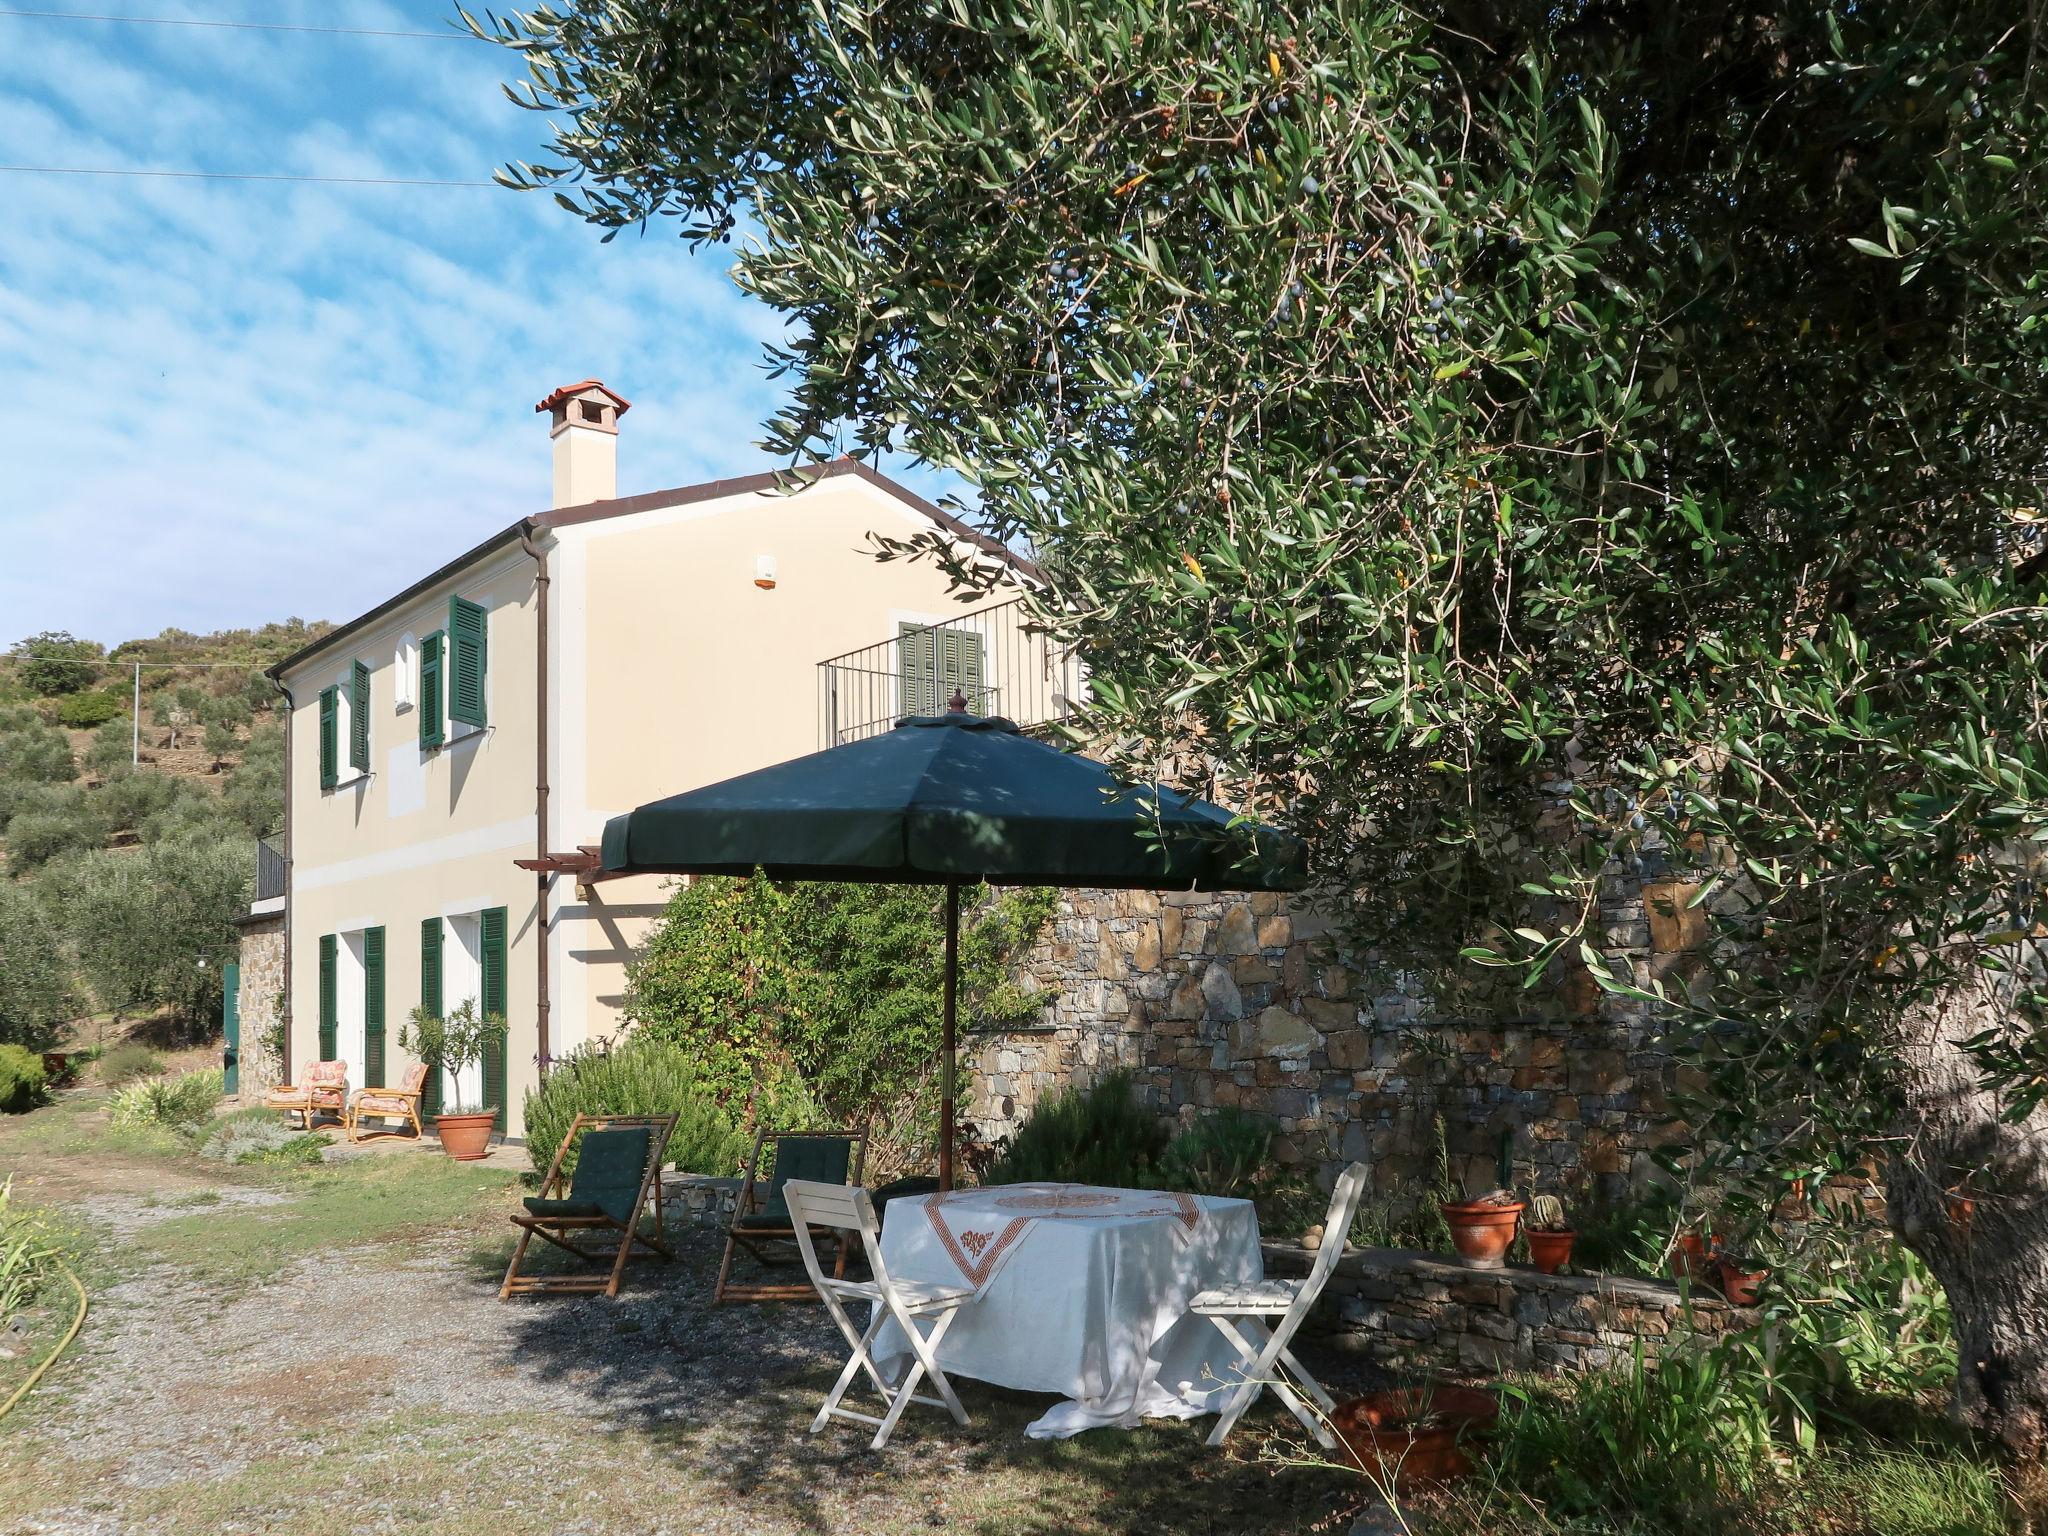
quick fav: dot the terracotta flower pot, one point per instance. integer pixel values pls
(466, 1138)
(1416, 1436)
(1481, 1232)
(1741, 1286)
(1693, 1258)
(1549, 1251)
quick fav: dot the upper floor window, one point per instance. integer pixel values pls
(405, 663)
(345, 713)
(454, 669)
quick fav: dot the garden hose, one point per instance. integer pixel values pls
(63, 1344)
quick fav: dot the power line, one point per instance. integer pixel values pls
(243, 26)
(340, 181)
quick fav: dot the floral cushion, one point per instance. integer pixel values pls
(327, 1074)
(374, 1103)
(285, 1097)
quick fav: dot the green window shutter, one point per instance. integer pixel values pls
(327, 1009)
(468, 646)
(917, 670)
(960, 668)
(373, 1007)
(492, 1002)
(432, 710)
(359, 717)
(330, 747)
(430, 1000)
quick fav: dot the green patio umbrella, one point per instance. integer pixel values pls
(949, 800)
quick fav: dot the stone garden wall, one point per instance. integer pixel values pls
(1411, 1311)
(262, 960)
(1246, 1000)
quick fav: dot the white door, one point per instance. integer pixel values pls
(349, 1039)
(462, 981)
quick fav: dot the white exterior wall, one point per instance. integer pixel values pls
(668, 668)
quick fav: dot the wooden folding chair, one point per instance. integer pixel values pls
(617, 1176)
(1239, 1313)
(762, 1224)
(843, 1208)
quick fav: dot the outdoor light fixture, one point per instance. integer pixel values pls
(764, 572)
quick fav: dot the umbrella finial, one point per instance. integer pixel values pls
(958, 703)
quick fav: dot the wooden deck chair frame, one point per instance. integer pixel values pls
(755, 1240)
(405, 1104)
(308, 1098)
(558, 1229)
(1240, 1313)
(844, 1208)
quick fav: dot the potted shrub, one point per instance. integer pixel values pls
(1550, 1237)
(450, 1044)
(1482, 1229)
(1415, 1436)
(1739, 1274)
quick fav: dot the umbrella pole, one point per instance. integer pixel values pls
(946, 1065)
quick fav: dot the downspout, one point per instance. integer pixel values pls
(284, 1065)
(540, 783)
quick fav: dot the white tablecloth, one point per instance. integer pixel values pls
(1081, 1291)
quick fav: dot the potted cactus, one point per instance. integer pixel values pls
(1550, 1236)
(1482, 1226)
(452, 1043)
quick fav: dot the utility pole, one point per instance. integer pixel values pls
(135, 723)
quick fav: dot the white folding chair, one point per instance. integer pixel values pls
(846, 1208)
(1240, 1312)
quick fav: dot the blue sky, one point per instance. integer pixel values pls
(227, 402)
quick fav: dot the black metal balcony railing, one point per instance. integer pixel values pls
(270, 870)
(994, 658)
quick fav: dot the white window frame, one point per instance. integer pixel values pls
(405, 673)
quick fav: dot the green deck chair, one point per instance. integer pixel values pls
(617, 1175)
(761, 1224)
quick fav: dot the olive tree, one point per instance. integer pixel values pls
(1422, 411)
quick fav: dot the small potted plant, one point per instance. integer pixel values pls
(450, 1044)
(1740, 1276)
(1482, 1226)
(1550, 1236)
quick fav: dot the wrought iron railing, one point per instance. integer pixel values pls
(995, 658)
(270, 870)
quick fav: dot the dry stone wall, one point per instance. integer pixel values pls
(1415, 1312)
(1249, 1001)
(262, 961)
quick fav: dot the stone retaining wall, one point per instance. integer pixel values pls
(1415, 1311)
(1244, 1000)
(261, 954)
(699, 1199)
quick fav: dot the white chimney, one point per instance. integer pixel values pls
(584, 423)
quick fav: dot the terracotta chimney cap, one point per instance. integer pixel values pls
(556, 397)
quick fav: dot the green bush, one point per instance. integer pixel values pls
(258, 1136)
(83, 711)
(32, 753)
(29, 1252)
(111, 750)
(1097, 1135)
(172, 1102)
(127, 1061)
(641, 1077)
(1228, 1153)
(21, 1079)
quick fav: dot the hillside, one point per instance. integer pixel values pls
(122, 875)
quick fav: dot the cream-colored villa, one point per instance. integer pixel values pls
(580, 661)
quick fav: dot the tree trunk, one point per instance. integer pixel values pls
(1969, 1194)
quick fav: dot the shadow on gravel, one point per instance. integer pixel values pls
(729, 1393)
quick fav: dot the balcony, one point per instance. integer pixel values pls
(995, 658)
(270, 870)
